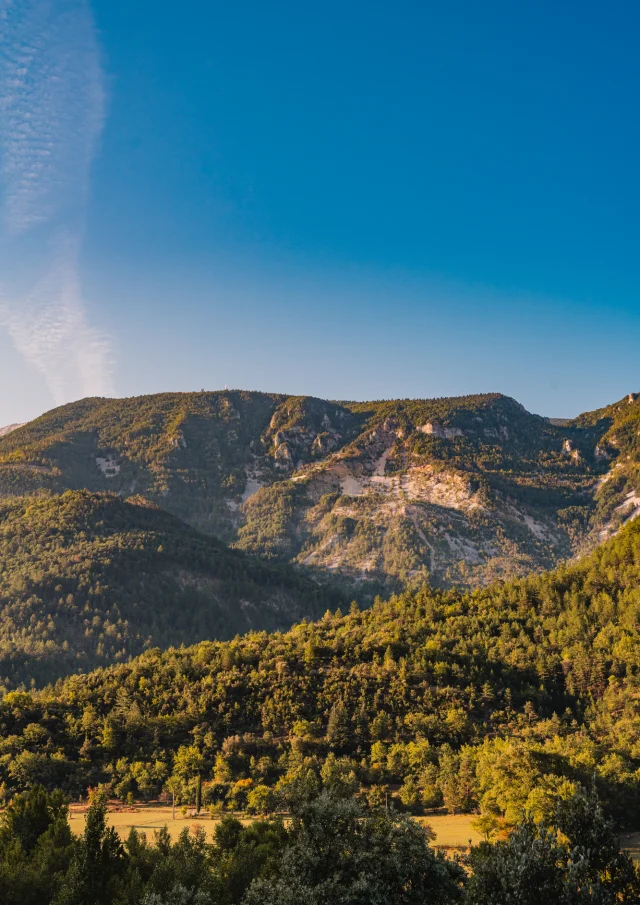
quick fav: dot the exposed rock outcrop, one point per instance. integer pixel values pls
(442, 433)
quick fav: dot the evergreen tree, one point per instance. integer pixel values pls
(98, 863)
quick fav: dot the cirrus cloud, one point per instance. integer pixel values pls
(52, 103)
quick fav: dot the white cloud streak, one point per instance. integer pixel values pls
(51, 116)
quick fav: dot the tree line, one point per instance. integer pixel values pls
(497, 701)
(332, 851)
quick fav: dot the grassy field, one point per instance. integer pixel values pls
(451, 831)
(146, 820)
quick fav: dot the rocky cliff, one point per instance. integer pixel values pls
(463, 490)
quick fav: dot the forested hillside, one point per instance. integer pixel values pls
(88, 579)
(139, 446)
(384, 494)
(500, 699)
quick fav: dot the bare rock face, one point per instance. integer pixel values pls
(283, 455)
(303, 429)
(569, 450)
(442, 433)
(325, 443)
(108, 465)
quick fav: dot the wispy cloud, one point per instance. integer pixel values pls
(51, 118)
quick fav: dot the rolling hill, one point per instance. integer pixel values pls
(383, 494)
(89, 579)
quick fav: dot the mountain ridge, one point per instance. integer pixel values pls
(458, 490)
(9, 428)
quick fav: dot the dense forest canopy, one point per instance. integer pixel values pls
(89, 579)
(500, 700)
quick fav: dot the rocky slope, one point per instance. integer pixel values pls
(616, 432)
(461, 490)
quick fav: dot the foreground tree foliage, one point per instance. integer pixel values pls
(334, 851)
(573, 859)
(338, 852)
(36, 848)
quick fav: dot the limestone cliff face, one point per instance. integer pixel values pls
(303, 430)
(413, 498)
(379, 494)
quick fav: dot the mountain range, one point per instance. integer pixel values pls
(243, 524)
(169, 519)
(454, 491)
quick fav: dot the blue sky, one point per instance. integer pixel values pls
(351, 200)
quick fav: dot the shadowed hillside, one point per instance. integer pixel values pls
(87, 579)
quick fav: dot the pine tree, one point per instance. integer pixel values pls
(99, 861)
(337, 734)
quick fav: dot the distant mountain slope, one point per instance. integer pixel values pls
(8, 429)
(460, 490)
(457, 490)
(193, 453)
(87, 579)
